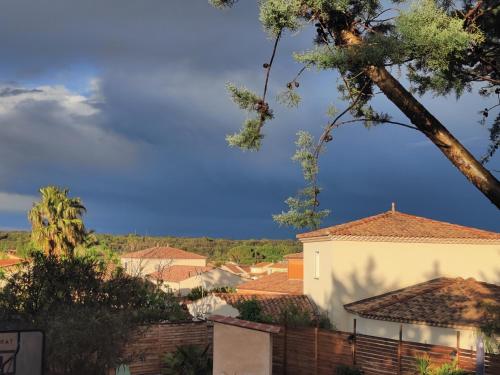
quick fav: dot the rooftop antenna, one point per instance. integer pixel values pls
(393, 207)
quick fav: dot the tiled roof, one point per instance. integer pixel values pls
(295, 256)
(280, 265)
(272, 305)
(398, 225)
(245, 324)
(164, 252)
(444, 302)
(262, 264)
(10, 262)
(277, 282)
(178, 273)
(234, 268)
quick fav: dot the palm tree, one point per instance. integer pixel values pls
(56, 221)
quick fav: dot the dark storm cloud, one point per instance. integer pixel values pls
(131, 114)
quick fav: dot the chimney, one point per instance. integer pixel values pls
(393, 207)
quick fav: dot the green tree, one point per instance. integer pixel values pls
(87, 315)
(57, 225)
(442, 46)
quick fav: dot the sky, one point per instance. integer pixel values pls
(124, 103)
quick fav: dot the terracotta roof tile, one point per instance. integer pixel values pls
(245, 324)
(272, 305)
(277, 282)
(178, 273)
(235, 268)
(262, 264)
(394, 224)
(280, 265)
(295, 256)
(10, 262)
(445, 302)
(164, 252)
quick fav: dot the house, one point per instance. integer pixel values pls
(278, 267)
(295, 265)
(389, 251)
(226, 304)
(147, 261)
(181, 279)
(443, 311)
(237, 269)
(274, 283)
(260, 268)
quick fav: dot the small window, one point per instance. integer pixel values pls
(316, 264)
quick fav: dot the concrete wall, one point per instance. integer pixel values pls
(145, 266)
(241, 351)
(353, 270)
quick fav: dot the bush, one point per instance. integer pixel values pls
(188, 360)
(87, 315)
(425, 367)
(200, 292)
(348, 370)
(252, 311)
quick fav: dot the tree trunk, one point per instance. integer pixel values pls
(461, 158)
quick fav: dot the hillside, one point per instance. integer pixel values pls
(217, 249)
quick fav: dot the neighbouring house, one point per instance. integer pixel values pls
(274, 283)
(147, 261)
(181, 279)
(350, 262)
(442, 311)
(278, 267)
(260, 268)
(11, 263)
(295, 266)
(237, 269)
(226, 304)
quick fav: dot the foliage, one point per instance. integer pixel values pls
(248, 254)
(425, 367)
(188, 360)
(252, 311)
(442, 46)
(302, 209)
(491, 326)
(249, 137)
(57, 225)
(84, 312)
(348, 370)
(433, 36)
(215, 248)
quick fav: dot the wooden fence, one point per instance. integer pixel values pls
(304, 351)
(312, 351)
(147, 349)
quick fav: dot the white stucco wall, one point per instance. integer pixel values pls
(211, 305)
(214, 278)
(415, 332)
(353, 270)
(145, 266)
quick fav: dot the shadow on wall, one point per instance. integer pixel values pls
(369, 283)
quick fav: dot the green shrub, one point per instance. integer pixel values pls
(425, 367)
(252, 311)
(188, 360)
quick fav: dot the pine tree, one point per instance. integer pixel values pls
(443, 47)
